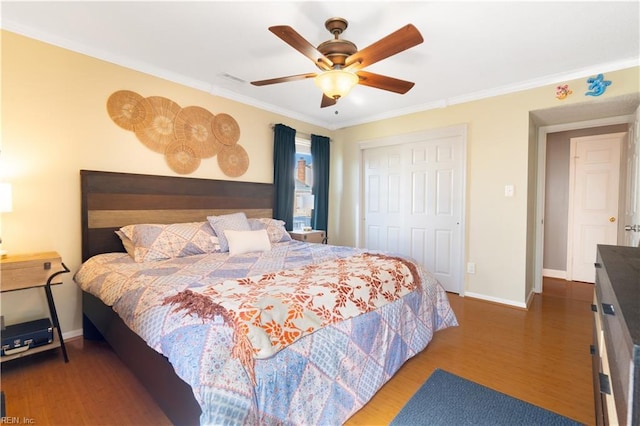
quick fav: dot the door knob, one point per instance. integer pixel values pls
(612, 219)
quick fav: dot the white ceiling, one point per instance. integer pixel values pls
(471, 50)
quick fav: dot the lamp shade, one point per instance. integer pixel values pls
(336, 83)
(6, 203)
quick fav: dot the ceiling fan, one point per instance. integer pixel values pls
(341, 62)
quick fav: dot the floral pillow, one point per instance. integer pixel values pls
(275, 228)
(234, 222)
(159, 241)
(126, 243)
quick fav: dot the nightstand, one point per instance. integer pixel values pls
(312, 236)
(23, 271)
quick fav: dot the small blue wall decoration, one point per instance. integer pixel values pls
(597, 85)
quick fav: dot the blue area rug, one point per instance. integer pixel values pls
(446, 399)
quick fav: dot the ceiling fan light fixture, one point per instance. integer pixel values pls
(336, 83)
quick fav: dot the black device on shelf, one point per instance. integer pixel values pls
(24, 336)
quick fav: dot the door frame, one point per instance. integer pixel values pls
(631, 196)
(540, 182)
(405, 138)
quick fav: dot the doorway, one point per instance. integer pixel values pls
(552, 213)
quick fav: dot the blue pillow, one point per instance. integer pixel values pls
(234, 222)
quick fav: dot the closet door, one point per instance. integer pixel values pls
(413, 201)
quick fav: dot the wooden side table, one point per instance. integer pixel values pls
(23, 271)
(313, 236)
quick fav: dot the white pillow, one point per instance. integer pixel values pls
(247, 241)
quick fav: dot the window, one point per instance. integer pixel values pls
(303, 174)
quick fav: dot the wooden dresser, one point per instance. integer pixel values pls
(616, 346)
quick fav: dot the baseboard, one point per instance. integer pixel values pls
(532, 293)
(71, 334)
(554, 273)
(495, 300)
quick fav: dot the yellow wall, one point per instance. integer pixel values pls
(54, 123)
(500, 140)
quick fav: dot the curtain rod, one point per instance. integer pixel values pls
(301, 134)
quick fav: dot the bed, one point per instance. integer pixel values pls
(194, 362)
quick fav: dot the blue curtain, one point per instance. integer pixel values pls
(284, 157)
(320, 160)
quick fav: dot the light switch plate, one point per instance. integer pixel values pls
(509, 190)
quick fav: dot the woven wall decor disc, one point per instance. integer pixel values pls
(192, 126)
(181, 158)
(128, 109)
(233, 160)
(226, 129)
(158, 134)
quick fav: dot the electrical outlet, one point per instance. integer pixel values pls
(471, 268)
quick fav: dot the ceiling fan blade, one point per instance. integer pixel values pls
(283, 79)
(383, 82)
(327, 101)
(396, 42)
(295, 40)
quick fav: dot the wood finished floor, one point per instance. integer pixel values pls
(540, 355)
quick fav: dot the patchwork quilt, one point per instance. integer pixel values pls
(358, 327)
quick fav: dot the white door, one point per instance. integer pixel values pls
(593, 201)
(414, 200)
(631, 223)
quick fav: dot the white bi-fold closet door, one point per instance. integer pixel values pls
(413, 199)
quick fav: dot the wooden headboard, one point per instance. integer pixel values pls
(112, 200)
